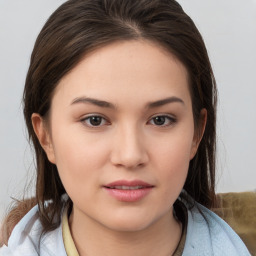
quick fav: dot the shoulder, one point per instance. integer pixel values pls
(208, 234)
(27, 239)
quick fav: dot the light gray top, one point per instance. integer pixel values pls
(207, 235)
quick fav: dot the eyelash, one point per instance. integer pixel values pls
(87, 120)
(169, 119)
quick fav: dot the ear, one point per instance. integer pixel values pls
(43, 136)
(199, 132)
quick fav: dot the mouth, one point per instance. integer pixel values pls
(128, 191)
(125, 187)
(128, 185)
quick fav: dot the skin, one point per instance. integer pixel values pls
(128, 144)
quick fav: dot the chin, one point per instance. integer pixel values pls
(129, 226)
(130, 223)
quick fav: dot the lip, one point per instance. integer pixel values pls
(129, 183)
(135, 191)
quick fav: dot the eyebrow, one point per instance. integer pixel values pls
(99, 103)
(165, 101)
(105, 104)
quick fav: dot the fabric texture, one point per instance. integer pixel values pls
(26, 239)
(67, 237)
(207, 235)
(239, 211)
(181, 213)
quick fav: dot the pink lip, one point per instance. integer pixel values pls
(128, 195)
(128, 183)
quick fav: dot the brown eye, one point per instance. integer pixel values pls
(162, 120)
(159, 120)
(94, 121)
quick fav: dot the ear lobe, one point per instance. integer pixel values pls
(43, 136)
(199, 132)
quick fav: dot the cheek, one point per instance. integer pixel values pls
(174, 148)
(172, 159)
(175, 162)
(78, 156)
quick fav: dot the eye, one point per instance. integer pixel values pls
(162, 120)
(94, 121)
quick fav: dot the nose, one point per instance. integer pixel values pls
(129, 149)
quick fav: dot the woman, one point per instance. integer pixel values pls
(120, 104)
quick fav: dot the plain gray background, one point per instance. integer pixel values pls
(229, 30)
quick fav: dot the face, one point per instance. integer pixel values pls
(121, 133)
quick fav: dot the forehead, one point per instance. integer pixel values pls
(127, 69)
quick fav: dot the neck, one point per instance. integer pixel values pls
(91, 238)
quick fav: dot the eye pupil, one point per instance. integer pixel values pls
(95, 120)
(159, 120)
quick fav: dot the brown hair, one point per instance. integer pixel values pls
(80, 26)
